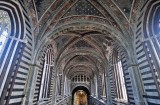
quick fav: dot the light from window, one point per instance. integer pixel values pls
(122, 81)
(159, 24)
(5, 27)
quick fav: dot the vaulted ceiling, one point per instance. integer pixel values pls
(85, 31)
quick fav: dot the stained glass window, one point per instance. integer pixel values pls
(5, 27)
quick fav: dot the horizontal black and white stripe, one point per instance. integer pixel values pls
(44, 75)
(16, 56)
(148, 51)
(113, 87)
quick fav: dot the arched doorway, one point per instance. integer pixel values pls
(80, 96)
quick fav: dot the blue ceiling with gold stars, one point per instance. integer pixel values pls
(83, 7)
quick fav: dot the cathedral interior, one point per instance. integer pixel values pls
(79, 52)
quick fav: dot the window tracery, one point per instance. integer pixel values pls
(80, 78)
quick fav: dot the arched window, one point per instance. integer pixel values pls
(152, 41)
(148, 51)
(118, 77)
(5, 28)
(122, 81)
(156, 23)
(46, 76)
(80, 78)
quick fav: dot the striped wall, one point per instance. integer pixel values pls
(147, 47)
(16, 56)
(112, 83)
(100, 88)
(43, 84)
(127, 77)
(113, 86)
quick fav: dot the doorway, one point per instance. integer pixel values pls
(80, 96)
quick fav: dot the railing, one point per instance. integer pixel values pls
(103, 101)
(59, 101)
(96, 101)
(45, 101)
(65, 101)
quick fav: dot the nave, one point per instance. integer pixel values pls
(79, 52)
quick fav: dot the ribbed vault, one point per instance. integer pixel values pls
(50, 49)
(84, 32)
(83, 48)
